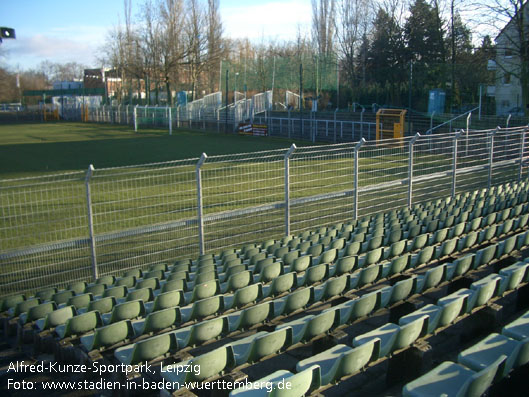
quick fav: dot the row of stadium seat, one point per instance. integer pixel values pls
(487, 361)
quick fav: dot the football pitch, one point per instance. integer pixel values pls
(40, 148)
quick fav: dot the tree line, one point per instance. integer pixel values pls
(389, 52)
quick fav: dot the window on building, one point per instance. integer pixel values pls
(507, 78)
(505, 103)
(508, 53)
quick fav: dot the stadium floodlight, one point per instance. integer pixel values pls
(7, 33)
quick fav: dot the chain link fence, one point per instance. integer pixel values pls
(82, 225)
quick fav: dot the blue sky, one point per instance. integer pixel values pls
(63, 31)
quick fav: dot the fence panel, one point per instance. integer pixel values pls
(144, 214)
(43, 232)
(148, 214)
(382, 176)
(433, 166)
(321, 186)
(243, 198)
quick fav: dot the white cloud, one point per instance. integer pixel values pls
(64, 44)
(275, 20)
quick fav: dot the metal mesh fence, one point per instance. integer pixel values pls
(66, 227)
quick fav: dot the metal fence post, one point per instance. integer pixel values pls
(454, 163)
(287, 188)
(170, 120)
(355, 192)
(89, 174)
(201, 161)
(522, 149)
(410, 168)
(135, 115)
(491, 156)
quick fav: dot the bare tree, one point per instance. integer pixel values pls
(352, 23)
(323, 24)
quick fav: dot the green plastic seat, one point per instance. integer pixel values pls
(453, 305)
(125, 311)
(485, 255)
(201, 332)
(289, 257)
(301, 264)
(103, 305)
(457, 230)
(328, 256)
(341, 360)
(79, 325)
(293, 301)
(269, 272)
(418, 242)
(203, 291)
(387, 334)
(203, 308)
(484, 353)
(152, 283)
(519, 328)
(107, 280)
(487, 234)
(127, 281)
(138, 273)
(315, 273)
(281, 284)
(345, 265)
(210, 364)
(515, 274)
(156, 267)
(363, 306)
(332, 287)
(247, 295)
(351, 249)
(431, 279)
(399, 264)
(409, 333)
(448, 247)
(37, 312)
(173, 285)
(77, 287)
(153, 348)
(80, 301)
(396, 249)
(262, 263)
(369, 274)
(439, 236)
(402, 289)
(460, 266)
(315, 250)
(253, 348)
(486, 288)
(96, 289)
(55, 318)
(46, 294)
(251, 316)
(106, 337)
(431, 314)
(422, 257)
(24, 305)
(238, 281)
(257, 257)
(116, 292)
(370, 257)
(166, 300)
(143, 294)
(506, 246)
(62, 297)
(452, 379)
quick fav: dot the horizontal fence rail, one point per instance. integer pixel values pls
(62, 228)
